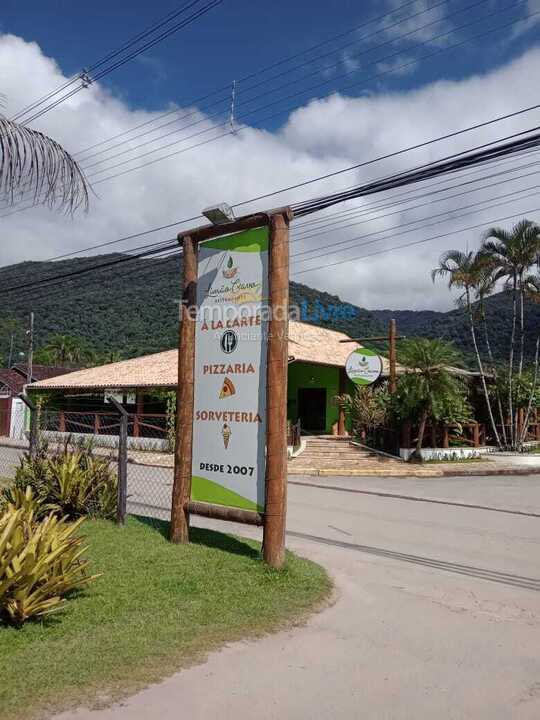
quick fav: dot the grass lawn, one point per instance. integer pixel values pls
(156, 608)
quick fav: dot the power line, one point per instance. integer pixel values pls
(106, 71)
(335, 226)
(393, 233)
(402, 198)
(448, 164)
(314, 180)
(261, 71)
(263, 82)
(419, 242)
(167, 254)
(368, 209)
(102, 60)
(225, 124)
(247, 115)
(227, 133)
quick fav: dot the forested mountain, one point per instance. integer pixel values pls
(132, 308)
(453, 325)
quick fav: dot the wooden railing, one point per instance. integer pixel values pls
(440, 435)
(105, 423)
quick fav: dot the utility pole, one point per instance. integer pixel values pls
(29, 361)
(10, 356)
(392, 354)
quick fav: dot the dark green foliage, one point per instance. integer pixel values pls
(453, 326)
(132, 309)
(70, 482)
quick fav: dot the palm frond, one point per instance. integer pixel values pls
(498, 234)
(34, 162)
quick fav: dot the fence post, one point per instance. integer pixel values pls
(33, 440)
(184, 404)
(121, 506)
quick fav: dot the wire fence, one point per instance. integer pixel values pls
(14, 440)
(139, 447)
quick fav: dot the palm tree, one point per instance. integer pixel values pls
(65, 350)
(427, 386)
(531, 286)
(33, 163)
(514, 252)
(471, 273)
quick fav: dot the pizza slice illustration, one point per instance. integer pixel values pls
(227, 389)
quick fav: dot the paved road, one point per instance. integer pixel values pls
(437, 616)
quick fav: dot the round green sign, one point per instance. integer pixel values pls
(363, 366)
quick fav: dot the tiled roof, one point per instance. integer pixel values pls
(156, 370)
(40, 372)
(307, 343)
(12, 380)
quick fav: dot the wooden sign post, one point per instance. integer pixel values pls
(273, 517)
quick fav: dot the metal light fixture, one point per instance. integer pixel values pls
(219, 214)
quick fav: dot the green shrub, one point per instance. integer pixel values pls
(40, 561)
(71, 482)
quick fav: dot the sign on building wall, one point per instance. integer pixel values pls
(229, 420)
(363, 366)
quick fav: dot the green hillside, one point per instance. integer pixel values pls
(133, 308)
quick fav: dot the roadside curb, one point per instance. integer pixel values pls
(417, 498)
(451, 472)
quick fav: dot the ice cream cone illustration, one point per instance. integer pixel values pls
(226, 432)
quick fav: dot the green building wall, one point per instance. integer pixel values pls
(309, 375)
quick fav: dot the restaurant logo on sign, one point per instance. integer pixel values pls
(363, 366)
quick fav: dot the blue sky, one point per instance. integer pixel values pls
(242, 36)
(395, 81)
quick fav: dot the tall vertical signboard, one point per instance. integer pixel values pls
(229, 405)
(231, 444)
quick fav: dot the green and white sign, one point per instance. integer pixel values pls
(363, 366)
(229, 422)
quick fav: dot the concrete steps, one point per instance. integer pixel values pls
(328, 455)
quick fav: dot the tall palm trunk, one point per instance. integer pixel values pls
(421, 431)
(532, 394)
(493, 371)
(521, 323)
(481, 367)
(511, 361)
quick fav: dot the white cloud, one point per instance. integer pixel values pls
(350, 62)
(317, 139)
(398, 66)
(531, 11)
(419, 22)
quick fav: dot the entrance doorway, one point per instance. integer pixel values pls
(312, 409)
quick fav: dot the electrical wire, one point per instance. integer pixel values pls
(393, 233)
(448, 164)
(102, 60)
(419, 242)
(226, 134)
(305, 183)
(106, 71)
(336, 226)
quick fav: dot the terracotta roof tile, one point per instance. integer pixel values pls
(307, 343)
